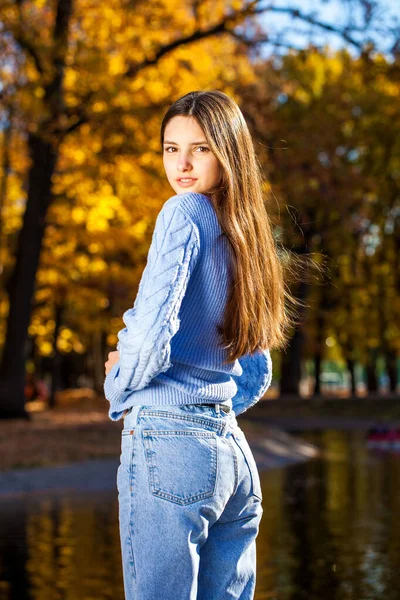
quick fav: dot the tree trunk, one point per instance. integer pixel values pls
(20, 287)
(320, 340)
(372, 380)
(291, 365)
(291, 359)
(5, 170)
(351, 368)
(55, 376)
(391, 368)
(317, 369)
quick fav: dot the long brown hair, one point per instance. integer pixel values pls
(256, 316)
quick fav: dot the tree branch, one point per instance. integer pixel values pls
(298, 14)
(25, 43)
(167, 48)
(225, 25)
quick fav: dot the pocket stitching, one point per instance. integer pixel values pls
(154, 483)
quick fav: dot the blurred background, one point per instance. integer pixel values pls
(83, 88)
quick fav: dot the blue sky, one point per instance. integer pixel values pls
(335, 12)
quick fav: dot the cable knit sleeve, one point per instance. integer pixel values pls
(144, 344)
(253, 382)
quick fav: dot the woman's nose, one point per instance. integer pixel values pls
(183, 164)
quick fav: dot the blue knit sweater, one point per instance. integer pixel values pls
(169, 351)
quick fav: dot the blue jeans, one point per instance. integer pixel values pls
(189, 504)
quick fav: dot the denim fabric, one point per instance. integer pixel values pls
(190, 504)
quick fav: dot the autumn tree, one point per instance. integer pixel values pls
(325, 127)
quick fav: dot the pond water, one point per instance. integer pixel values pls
(329, 531)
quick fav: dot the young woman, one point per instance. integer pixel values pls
(194, 354)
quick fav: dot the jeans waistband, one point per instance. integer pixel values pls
(227, 423)
(226, 406)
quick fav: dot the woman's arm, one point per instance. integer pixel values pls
(144, 344)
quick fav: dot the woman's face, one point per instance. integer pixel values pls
(188, 161)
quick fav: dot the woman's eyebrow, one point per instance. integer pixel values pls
(192, 143)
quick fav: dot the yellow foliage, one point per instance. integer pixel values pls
(302, 96)
(112, 339)
(39, 92)
(139, 229)
(70, 78)
(116, 65)
(66, 333)
(82, 262)
(99, 107)
(46, 348)
(78, 215)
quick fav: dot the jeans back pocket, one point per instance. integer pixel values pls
(182, 464)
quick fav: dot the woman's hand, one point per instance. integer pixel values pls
(113, 357)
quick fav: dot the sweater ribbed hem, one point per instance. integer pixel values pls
(157, 394)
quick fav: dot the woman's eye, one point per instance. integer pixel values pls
(172, 148)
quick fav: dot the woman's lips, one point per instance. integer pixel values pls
(186, 181)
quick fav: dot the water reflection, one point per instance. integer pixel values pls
(330, 527)
(329, 531)
(60, 546)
